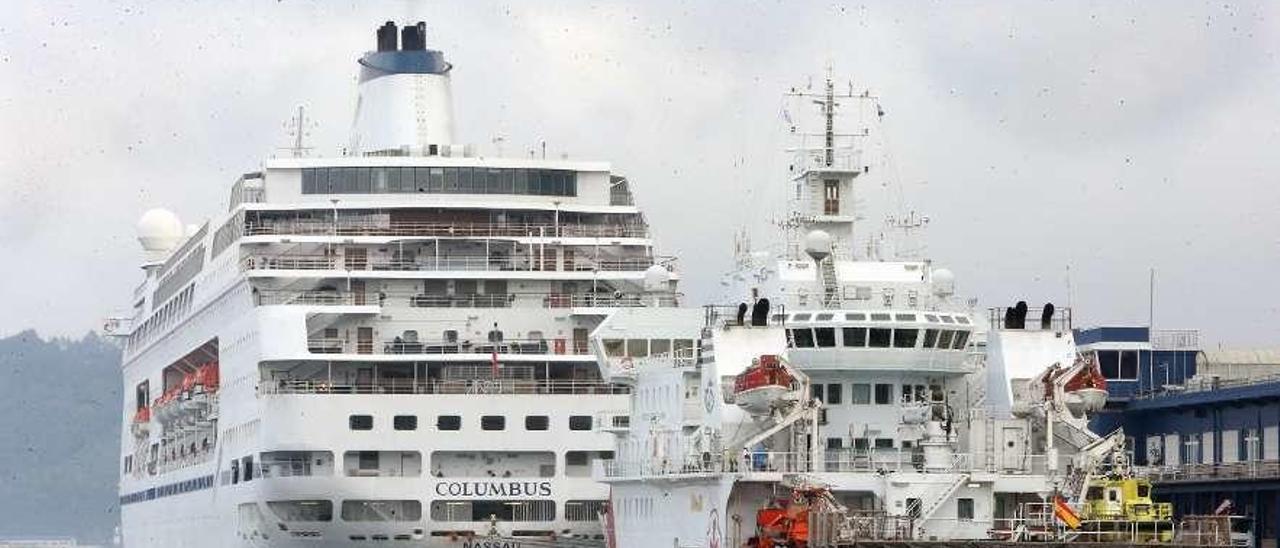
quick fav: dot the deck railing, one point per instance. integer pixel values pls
(448, 230)
(1212, 472)
(840, 460)
(404, 345)
(456, 386)
(498, 300)
(329, 262)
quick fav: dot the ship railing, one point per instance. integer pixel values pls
(1207, 384)
(465, 263)
(415, 346)
(1061, 320)
(719, 315)
(448, 230)
(1175, 339)
(325, 297)
(1213, 472)
(445, 387)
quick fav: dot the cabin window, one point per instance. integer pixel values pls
(944, 339)
(360, 422)
(246, 466)
(801, 317)
(879, 337)
(947, 319)
(931, 318)
(536, 422)
(614, 348)
(962, 337)
(825, 317)
(580, 422)
(964, 509)
(825, 336)
(856, 317)
(1144, 490)
(905, 338)
(905, 317)
(881, 318)
(860, 394)
(493, 422)
(861, 444)
(1129, 365)
(962, 320)
(405, 422)
(855, 336)
(834, 394)
(638, 348)
(835, 443)
(448, 422)
(884, 394)
(884, 443)
(803, 338)
(817, 392)
(930, 338)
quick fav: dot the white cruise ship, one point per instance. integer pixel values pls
(851, 397)
(387, 347)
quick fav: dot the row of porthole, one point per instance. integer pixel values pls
(451, 423)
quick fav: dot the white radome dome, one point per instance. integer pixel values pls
(159, 230)
(656, 278)
(817, 244)
(944, 282)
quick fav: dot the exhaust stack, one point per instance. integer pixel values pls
(405, 102)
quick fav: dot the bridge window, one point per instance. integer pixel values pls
(855, 336)
(879, 337)
(961, 338)
(944, 339)
(825, 336)
(884, 394)
(803, 338)
(905, 338)
(930, 338)
(834, 394)
(439, 180)
(860, 394)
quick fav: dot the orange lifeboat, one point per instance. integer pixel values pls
(762, 386)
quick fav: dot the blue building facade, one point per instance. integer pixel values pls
(1202, 441)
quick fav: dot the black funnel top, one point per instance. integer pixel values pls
(414, 38)
(387, 37)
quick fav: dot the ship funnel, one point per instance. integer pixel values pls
(405, 102)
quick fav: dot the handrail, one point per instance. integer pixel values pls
(447, 230)
(497, 300)
(838, 460)
(1193, 472)
(399, 345)
(458, 386)
(328, 262)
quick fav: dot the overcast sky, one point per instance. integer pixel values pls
(1102, 138)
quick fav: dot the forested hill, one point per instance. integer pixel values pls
(59, 437)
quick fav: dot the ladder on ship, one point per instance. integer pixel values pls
(830, 285)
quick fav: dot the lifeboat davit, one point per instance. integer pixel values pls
(1087, 390)
(764, 386)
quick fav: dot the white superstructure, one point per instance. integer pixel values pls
(390, 345)
(863, 377)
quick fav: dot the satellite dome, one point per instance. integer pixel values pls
(817, 244)
(656, 278)
(159, 230)
(944, 282)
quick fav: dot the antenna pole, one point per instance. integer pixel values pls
(1151, 300)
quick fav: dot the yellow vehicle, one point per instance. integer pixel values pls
(1120, 509)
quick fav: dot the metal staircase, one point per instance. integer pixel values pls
(936, 502)
(830, 285)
